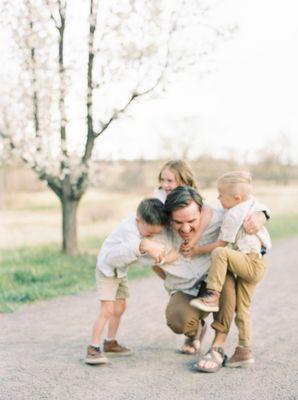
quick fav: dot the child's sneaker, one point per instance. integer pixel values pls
(208, 301)
(242, 357)
(95, 356)
(112, 347)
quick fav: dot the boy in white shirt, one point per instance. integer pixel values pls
(125, 245)
(245, 259)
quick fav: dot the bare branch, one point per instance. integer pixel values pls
(56, 23)
(117, 113)
(62, 86)
(137, 94)
(89, 105)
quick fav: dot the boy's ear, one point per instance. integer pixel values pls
(237, 197)
(137, 220)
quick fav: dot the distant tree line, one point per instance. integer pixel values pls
(128, 175)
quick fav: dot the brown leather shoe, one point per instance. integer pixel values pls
(242, 357)
(208, 301)
(95, 356)
(112, 347)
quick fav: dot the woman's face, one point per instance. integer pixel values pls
(168, 181)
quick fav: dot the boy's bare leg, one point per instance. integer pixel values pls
(111, 345)
(119, 308)
(106, 312)
(94, 354)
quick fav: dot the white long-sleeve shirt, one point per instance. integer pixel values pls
(233, 232)
(120, 249)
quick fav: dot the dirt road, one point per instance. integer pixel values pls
(42, 347)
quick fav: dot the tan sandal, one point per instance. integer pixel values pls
(190, 346)
(194, 344)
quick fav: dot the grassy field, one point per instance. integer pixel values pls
(32, 266)
(40, 272)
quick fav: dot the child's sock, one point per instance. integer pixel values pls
(109, 339)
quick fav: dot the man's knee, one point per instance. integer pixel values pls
(175, 320)
(181, 323)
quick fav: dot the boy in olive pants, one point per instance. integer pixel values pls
(245, 259)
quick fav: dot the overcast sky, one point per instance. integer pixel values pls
(248, 102)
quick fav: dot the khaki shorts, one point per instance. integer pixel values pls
(111, 288)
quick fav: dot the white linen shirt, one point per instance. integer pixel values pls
(186, 274)
(232, 230)
(120, 249)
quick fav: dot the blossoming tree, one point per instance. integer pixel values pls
(77, 67)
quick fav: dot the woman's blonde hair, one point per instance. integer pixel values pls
(237, 182)
(182, 171)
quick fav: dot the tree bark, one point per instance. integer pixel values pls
(69, 225)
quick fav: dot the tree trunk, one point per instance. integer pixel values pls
(69, 225)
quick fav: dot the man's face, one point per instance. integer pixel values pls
(186, 220)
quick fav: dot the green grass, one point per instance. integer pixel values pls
(283, 226)
(41, 272)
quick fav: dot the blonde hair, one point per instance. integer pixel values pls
(237, 183)
(182, 171)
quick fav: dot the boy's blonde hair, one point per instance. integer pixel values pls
(182, 171)
(238, 183)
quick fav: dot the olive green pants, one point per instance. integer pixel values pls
(249, 269)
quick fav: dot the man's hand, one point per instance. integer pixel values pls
(154, 249)
(254, 222)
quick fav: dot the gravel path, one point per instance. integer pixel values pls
(42, 347)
